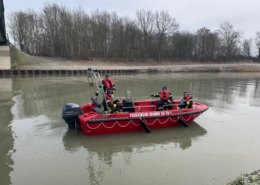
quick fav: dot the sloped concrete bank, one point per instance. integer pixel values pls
(23, 63)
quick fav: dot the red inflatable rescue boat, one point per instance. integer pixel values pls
(134, 115)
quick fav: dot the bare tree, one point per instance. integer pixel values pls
(115, 36)
(182, 45)
(145, 22)
(229, 39)
(130, 38)
(100, 28)
(206, 45)
(66, 32)
(165, 26)
(51, 23)
(78, 30)
(17, 25)
(201, 43)
(247, 47)
(257, 43)
(33, 31)
(57, 30)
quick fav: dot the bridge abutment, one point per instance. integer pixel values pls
(5, 59)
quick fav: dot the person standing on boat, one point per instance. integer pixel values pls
(165, 98)
(107, 84)
(186, 101)
(108, 105)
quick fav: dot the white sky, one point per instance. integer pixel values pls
(191, 14)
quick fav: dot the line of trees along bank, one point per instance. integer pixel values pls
(58, 31)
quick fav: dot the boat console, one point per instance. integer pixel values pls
(128, 106)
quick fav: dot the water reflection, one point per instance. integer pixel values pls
(102, 148)
(6, 135)
(218, 90)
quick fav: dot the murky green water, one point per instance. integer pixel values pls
(37, 148)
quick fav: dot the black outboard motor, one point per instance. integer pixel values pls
(70, 114)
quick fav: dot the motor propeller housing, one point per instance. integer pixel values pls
(70, 114)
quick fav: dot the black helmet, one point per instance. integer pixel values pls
(107, 75)
(164, 87)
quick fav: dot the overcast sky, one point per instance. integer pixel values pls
(191, 14)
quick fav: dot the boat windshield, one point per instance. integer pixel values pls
(128, 95)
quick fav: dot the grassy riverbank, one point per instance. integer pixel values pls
(247, 179)
(24, 61)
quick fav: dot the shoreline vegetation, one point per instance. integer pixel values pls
(56, 30)
(247, 179)
(23, 61)
(57, 37)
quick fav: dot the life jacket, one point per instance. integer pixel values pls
(108, 84)
(108, 97)
(105, 108)
(187, 99)
(166, 95)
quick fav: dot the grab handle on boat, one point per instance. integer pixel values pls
(144, 125)
(183, 122)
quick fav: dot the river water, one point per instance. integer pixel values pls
(37, 148)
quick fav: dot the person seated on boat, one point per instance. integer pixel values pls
(108, 105)
(165, 99)
(186, 101)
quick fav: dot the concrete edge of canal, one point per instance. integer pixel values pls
(126, 70)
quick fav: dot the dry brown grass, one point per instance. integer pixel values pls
(21, 60)
(206, 68)
(243, 68)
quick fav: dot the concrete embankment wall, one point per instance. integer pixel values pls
(126, 70)
(40, 71)
(5, 60)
